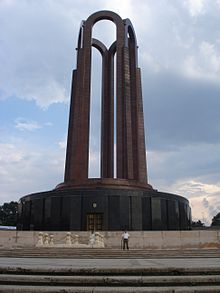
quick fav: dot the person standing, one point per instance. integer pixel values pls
(125, 237)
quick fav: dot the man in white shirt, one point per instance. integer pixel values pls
(125, 237)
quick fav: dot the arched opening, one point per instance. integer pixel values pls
(98, 94)
(115, 116)
(104, 31)
(95, 114)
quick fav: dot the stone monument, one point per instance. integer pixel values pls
(124, 200)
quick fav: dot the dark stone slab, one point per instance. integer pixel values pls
(67, 209)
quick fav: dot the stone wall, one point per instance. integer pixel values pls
(199, 239)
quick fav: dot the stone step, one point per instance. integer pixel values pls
(17, 275)
(52, 248)
(108, 271)
(87, 255)
(105, 253)
(113, 280)
(112, 249)
(113, 289)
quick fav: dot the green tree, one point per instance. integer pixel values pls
(216, 220)
(8, 213)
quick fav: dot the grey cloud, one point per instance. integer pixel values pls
(180, 111)
(199, 161)
(38, 49)
(29, 168)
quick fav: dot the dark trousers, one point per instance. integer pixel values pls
(125, 243)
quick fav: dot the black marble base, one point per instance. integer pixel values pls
(69, 209)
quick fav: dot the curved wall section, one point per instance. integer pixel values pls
(132, 209)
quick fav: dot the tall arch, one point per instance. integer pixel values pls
(130, 145)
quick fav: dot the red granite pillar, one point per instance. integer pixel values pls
(77, 144)
(138, 137)
(107, 125)
(128, 171)
(141, 149)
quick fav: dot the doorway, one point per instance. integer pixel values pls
(94, 222)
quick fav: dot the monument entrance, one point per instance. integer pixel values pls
(94, 222)
(123, 201)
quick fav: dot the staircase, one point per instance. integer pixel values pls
(164, 279)
(99, 253)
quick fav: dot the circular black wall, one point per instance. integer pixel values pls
(68, 209)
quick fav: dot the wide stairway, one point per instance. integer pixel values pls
(52, 252)
(41, 278)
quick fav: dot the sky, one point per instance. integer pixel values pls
(179, 57)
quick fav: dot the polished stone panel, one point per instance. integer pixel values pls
(147, 212)
(120, 209)
(113, 212)
(156, 213)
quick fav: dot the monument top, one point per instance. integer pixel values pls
(130, 139)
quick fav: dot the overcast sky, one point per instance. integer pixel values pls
(179, 56)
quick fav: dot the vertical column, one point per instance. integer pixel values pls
(84, 98)
(78, 135)
(77, 163)
(107, 127)
(137, 118)
(141, 150)
(127, 134)
(134, 113)
(120, 111)
(69, 149)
